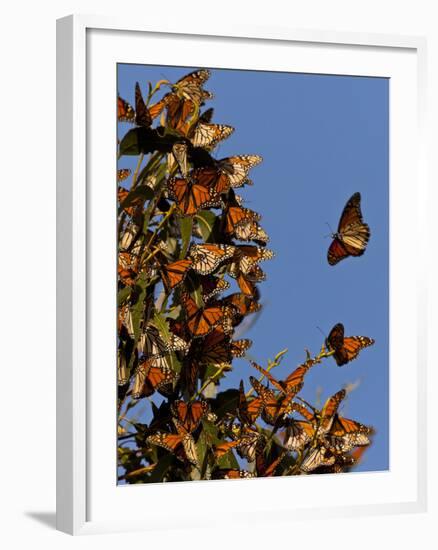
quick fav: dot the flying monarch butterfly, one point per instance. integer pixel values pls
(274, 407)
(239, 306)
(201, 321)
(328, 412)
(149, 378)
(346, 349)
(206, 258)
(191, 195)
(125, 112)
(247, 282)
(353, 234)
(248, 410)
(123, 174)
(212, 286)
(142, 115)
(174, 274)
(189, 415)
(320, 456)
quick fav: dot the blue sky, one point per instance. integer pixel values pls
(322, 139)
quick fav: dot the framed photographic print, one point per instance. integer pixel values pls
(234, 282)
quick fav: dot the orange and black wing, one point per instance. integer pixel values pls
(175, 273)
(125, 112)
(346, 349)
(353, 234)
(142, 115)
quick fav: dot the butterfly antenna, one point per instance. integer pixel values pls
(322, 332)
(331, 231)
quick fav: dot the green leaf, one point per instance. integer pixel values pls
(206, 221)
(186, 226)
(142, 192)
(123, 295)
(228, 460)
(161, 468)
(225, 402)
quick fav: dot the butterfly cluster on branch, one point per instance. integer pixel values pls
(185, 237)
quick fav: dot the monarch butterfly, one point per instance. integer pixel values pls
(297, 434)
(207, 115)
(130, 206)
(207, 135)
(201, 321)
(181, 444)
(247, 282)
(125, 319)
(189, 415)
(250, 230)
(127, 268)
(223, 448)
(293, 383)
(149, 378)
(122, 369)
(249, 444)
(329, 410)
(218, 348)
(179, 151)
(345, 434)
(125, 112)
(174, 274)
(345, 348)
(236, 168)
(273, 407)
(152, 345)
(236, 216)
(230, 473)
(248, 410)
(142, 115)
(123, 174)
(206, 258)
(212, 286)
(190, 85)
(241, 305)
(191, 195)
(353, 234)
(246, 256)
(320, 456)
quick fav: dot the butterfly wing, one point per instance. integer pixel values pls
(142, 115)
(353, 234)
(175, 273)
(125, 112)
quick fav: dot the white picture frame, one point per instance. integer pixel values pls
(78, 489)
